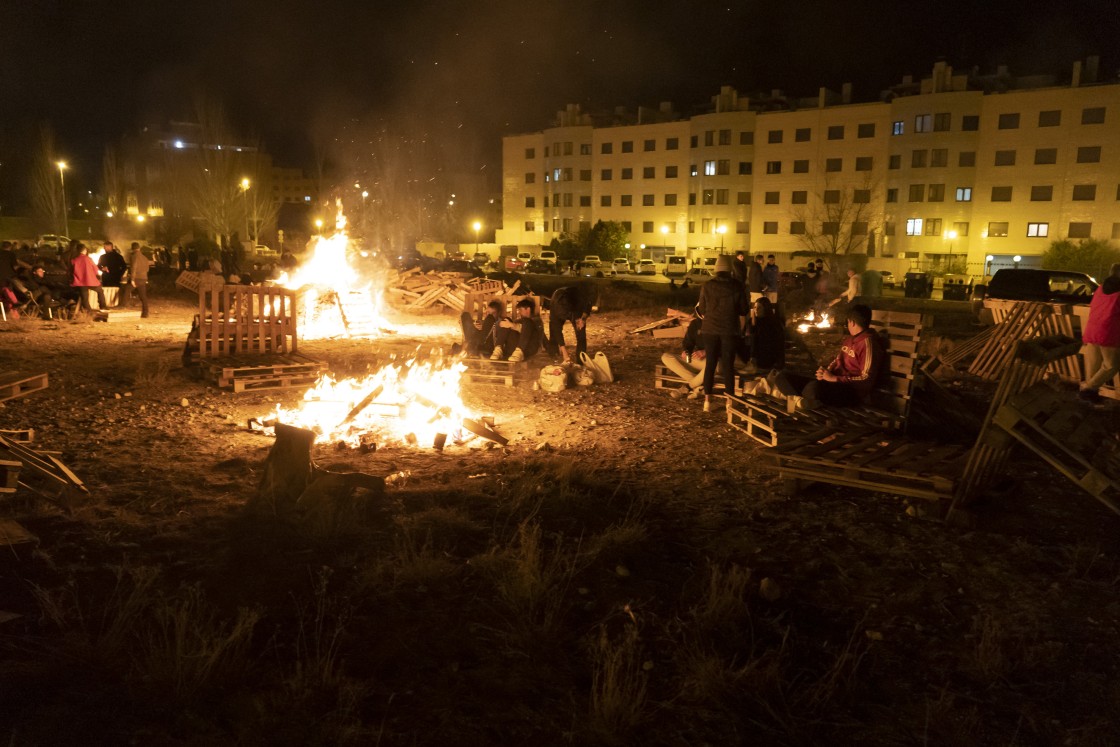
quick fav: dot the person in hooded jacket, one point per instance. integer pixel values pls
(723, 307)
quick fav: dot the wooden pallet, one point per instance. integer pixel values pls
(1047, 422)
(246, 373)
(872, 460)
(506, 373)
(20, 386)
(55, 481)
(9, 476)
(666, 378)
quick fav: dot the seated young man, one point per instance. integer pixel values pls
(767, 337)
(478, 337)
(852, 375)
(520, 338)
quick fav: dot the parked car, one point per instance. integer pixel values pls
(452, 264)
(1052, 286)
(621, 265)
(676, 267)
(888, 278)
(548, 256)
(595, 270)
(592, 258)
(514, 264)
(53, 240)
(480, 259)
(647, 267)
(540, 266)
(699, 275)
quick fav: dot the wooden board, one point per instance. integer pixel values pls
(14, 536)
(61, 486)
(17, 385)
(505, 373)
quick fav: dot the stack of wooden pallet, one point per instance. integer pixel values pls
(247, 373)
(418, 291)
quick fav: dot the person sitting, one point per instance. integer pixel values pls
(520, 338)
(767, 337)
(478, 336)
(688, 364)
(853, 374)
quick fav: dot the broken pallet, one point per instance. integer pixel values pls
(20, 386)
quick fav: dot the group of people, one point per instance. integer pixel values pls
(26, 285)
(519, 338)
(735, 321)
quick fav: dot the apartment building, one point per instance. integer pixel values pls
(952, 167)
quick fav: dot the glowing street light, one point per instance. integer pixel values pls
(62, 180)
(245, 203)
(477, 226)
(721, 230)
(951, 235)
(318, 225)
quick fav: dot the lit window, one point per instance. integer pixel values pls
(964, 194)
(914, 227)
(1038, 230)
(898, 128)
(997, 230)
(709, 168)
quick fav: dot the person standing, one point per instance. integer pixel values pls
(754, 278)
(771, 279)
(723, 308)
(1101, 336)
(138, 270)
(113, 268)
(739, 267)
(575, 304)
(83, 276)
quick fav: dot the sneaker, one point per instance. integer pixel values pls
(496, 355)
(516, 356)
(707, 405)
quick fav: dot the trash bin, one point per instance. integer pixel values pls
(955, 292)
(916, 285)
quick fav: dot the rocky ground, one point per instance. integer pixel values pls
(626, 570)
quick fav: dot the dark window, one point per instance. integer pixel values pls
(649, 145)
(585, 200)
(831, 196)
(742, 226)
(1080, 230)
(966, 158)
(1084, 192)
(647, 201)
(970, 122)
(530, 152)
(772, 198)
(939, 157)
(626, 226)
(606, 149)
(1005, 158)
(1042, 193)
(721, 196)
(859, 228)
(1001, 194)
(670, 172)
(585, 149)
(606, 175)
(933, 226)
(672, 143)
(647, 226)
(530, 177)
(864, 163)
(895, 161)
(628, 173)
(627, 146)
(1009, 121)
(801, 166)
(691, 198)
(936, 193)
(746, 138)
(745, 167)
(770, 226)
(892, 194)
(530, 202)
(774, 136)
(604, 201)
(866, 129)
(942, 121)
(1092, 115)
(1089, 154)
(723, 167)
(692, 142)
(743, 198)
(830, 228)
(997, 230)
(1050, 118)
(626, 200)
(833, 164)
(917, 192)
(799, 197)
(797, 227)
(725, 137)
(836, 132)
(918, 158)
(1045, 155)
(648, 172)
(861, 196)
(802, 134)
(585, 175)
(710, 138)
(708, 197)
(671, 199)
(774, 167)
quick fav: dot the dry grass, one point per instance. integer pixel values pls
(619, 684)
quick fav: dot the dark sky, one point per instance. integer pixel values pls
(285, 69)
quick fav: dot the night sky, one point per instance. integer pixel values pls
(289, 71)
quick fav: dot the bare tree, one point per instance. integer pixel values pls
(112, 182)
(47, 199)
(839, 221)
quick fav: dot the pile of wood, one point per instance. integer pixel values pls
(675, 324)
(416, 291)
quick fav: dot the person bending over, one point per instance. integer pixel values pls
(520, 338)
(572, 303)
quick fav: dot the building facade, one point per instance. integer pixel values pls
(952, 170)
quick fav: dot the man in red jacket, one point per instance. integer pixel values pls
(1101, 336)
(851, 376)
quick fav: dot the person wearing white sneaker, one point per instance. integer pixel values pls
(478, 336)
(521, 336)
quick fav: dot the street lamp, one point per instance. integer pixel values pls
(988, 265)
(318, 225)
(721, 230)
(951, 235)
(245, 203)
(62, 179)
(477, 227)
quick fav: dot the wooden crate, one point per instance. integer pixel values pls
(18, 385)
(246, 319)
(505, 373)
(244, 373)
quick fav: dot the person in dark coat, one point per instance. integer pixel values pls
(768, 337)
(572, 303)
(723, 307)
(739, 267)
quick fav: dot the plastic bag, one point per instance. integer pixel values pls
(553, 378)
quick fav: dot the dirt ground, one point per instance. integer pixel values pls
(625, 571)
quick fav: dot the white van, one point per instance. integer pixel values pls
(676, 266)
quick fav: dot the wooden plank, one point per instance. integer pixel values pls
(14, 536)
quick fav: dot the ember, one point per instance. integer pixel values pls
(812, 319)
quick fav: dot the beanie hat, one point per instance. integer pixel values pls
(723, 263)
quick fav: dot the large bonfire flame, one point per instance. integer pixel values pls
(335, 299)
(414, 402)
